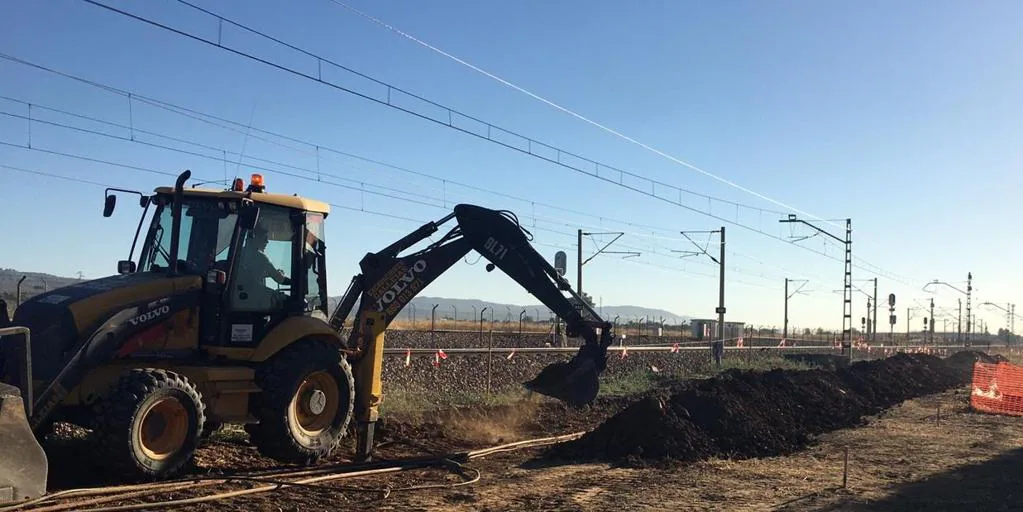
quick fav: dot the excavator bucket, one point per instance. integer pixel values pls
(575, 382)
(23, 464)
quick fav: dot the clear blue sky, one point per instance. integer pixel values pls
(903, 116)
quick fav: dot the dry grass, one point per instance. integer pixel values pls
(404, 324)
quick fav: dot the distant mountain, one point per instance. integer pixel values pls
(34, 284)
(448, 307)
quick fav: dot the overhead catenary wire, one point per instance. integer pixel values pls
(449, 122)
(384, 191)
(570, 112)
(684, 272)
(246, 129)
(320, 174)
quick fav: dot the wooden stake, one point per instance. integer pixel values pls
(845, 469)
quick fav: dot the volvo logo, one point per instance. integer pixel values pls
(150, 315)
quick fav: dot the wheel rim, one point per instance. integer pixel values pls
(316, 403)
(164, 428)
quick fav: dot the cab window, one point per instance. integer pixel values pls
(313, 260)
(262, 277)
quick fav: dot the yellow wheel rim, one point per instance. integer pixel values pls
(164, 428)
(316, 403)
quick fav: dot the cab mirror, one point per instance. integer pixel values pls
(125, 267)
(109, 204)
(249, 216)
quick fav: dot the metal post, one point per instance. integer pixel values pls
(721, 303)
(785, 329)
(481, 322)
(523, 313)
(969, 290)
(847, 308)
(868, 321)
(433, 321)
(1009, 321)
(489, 351)
(18, 299)
(873, 336)
(907, 324)
(579, 263)
(932, 321)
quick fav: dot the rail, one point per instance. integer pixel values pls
(654, 348)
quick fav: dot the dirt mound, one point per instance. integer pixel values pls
(963, 361)
(744, 414)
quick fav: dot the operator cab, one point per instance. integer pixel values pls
(261, 256)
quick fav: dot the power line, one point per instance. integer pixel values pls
(134, 130)
(171, 174)
(225, 124)
(37, 148)
(205, 118)
(345, 207)
(566, 110)
(490, 127)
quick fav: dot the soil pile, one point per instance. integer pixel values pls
(745, 414)
(963, 361)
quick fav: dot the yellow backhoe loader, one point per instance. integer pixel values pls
(223, 318)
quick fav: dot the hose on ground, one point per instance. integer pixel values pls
(275, 481)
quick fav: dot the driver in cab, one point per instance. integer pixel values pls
(254, 267)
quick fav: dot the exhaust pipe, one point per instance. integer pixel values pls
(179, 194)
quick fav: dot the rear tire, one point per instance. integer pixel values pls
(306, 403)
(150, 424)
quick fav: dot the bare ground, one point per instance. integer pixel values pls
(903, 459)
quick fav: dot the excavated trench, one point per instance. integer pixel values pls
(746, 414)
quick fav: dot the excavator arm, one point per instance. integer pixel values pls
(389, 281)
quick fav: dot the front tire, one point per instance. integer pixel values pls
(150, 425)
(306, 403)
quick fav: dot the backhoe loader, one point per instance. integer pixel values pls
(223, 318)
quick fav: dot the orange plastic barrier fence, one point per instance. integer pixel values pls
(997, 388)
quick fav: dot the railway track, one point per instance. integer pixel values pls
(658, 348)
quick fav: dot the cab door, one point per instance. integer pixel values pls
(261, 288)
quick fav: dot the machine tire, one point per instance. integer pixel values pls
(142, 451)
(290, 428)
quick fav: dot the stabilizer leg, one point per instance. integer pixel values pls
(369, 385)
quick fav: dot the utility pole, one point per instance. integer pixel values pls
(959, 323)
(873, 336)
(847, 321)
(907, 324)
(579, 264)
(785, 328)
(932, 321)
(718, 346)
(869, 322)
(969, 290)
(720, 349)
(579, 255)
(968, 293)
